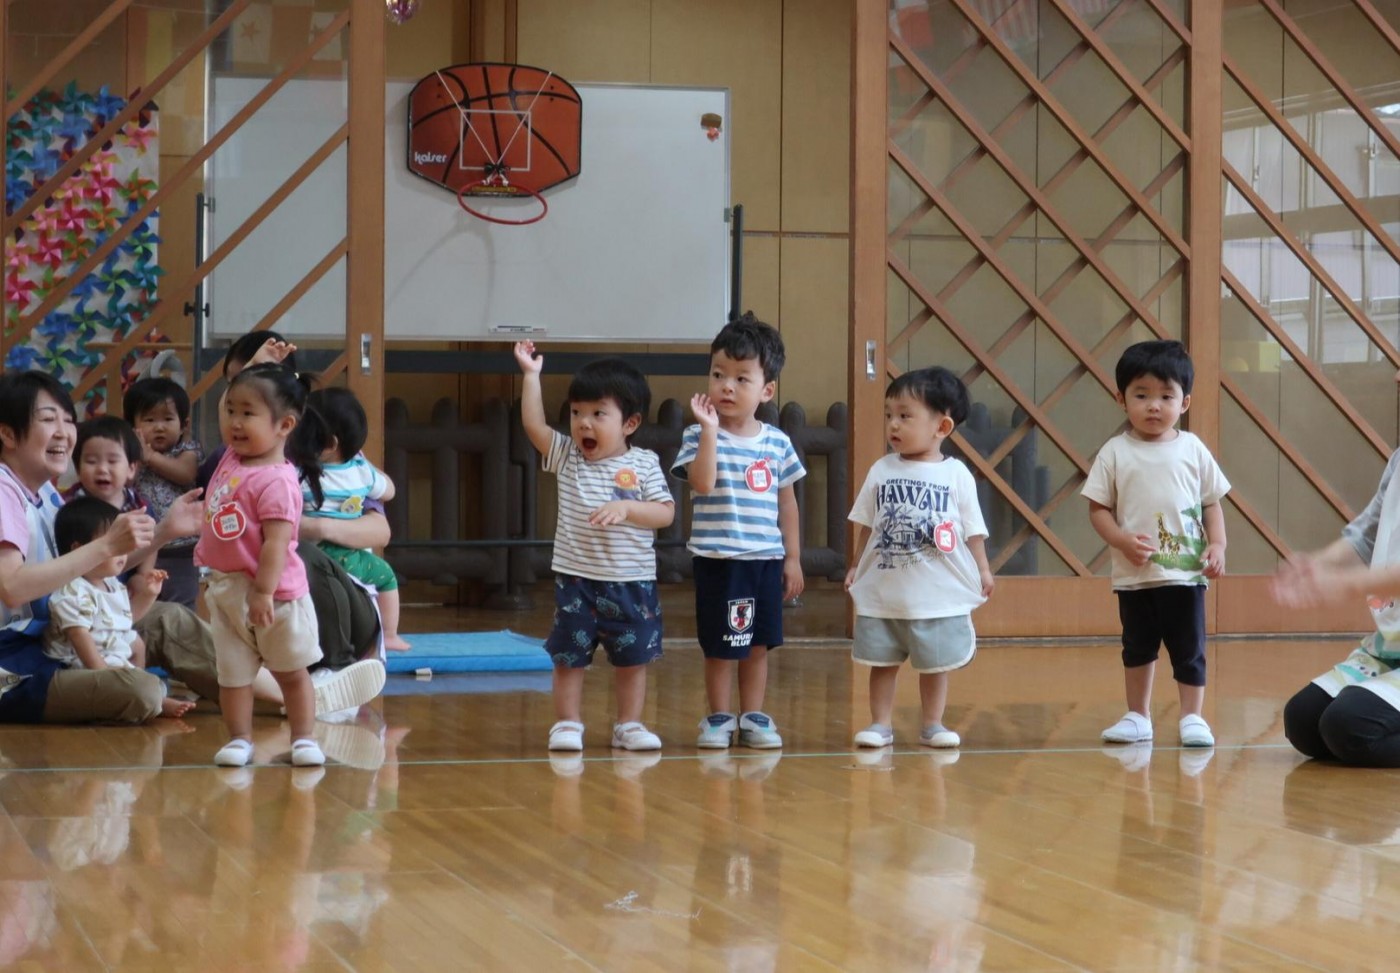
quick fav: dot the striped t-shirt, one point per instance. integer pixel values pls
(619, 553)
(739, 517)
(346, 487)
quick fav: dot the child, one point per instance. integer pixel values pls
(106, 456)
(347, 481)
(90, 617)
(159, 410)
(744, 533)
(923, 562)
(1154, 497)
(257, 594)
(612, 498)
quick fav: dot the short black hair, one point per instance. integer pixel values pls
(80, 520)
(747, 337)
(147, 393)
(245, 347)
(615, 379)
(19, 392)
(344, 416)
(1163, 360)
(115, 428)
(937, 388)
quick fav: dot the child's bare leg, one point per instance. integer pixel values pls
(630, 684)
(266, 687)
(299, 696)
(568, 694)
(138, 653)
(933, 696)
(753, 679)
(718, 673)
(1137, 682)
(1193, 699)
(389, 615)
(882, 683)
(236, 703)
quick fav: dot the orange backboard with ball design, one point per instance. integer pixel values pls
(487, 129)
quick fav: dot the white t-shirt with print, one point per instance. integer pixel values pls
(1158, 489)
(917, 563)
(623, 552)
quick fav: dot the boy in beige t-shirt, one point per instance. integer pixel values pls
(1154, 496)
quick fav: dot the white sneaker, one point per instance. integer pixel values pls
(1132, 728)
(348, 688)
(875, 735)
(939, 737)
(236, 753)
(307, 753)
(756, 731)
(634, 736)
(1195, 732)
(566, 735)
(717, 731)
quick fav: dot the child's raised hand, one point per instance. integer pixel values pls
(259, 609)
(531, 363)
(610, 514)
(704, 410)
(131, 531)
(148, 582)
(272, 351)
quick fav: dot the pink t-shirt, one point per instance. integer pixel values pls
(239, 499)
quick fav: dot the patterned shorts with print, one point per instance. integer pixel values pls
(623, 616)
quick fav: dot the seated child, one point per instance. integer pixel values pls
(347, 481)
(159, 410)
(90, 618)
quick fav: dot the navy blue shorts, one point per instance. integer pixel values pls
(623, 616)
(738, 604)
(1174, 614)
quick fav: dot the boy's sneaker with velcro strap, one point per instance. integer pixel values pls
(717, 731)
(756, 730)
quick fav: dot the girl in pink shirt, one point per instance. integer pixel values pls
(259, 607)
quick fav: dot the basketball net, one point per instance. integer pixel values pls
(496, 181)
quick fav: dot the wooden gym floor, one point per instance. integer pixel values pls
(445, 838)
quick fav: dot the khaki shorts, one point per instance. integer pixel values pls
(288, 644)
(930, 644)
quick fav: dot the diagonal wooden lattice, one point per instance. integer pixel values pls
(1088, 253)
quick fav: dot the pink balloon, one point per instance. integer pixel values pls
(400, 11)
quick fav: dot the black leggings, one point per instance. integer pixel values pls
(1356, 727)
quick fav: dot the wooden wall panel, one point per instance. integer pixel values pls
(1049, 608)
(432, 39)
(736, 44)
(816, 132)
(815, 297)
(593, 40)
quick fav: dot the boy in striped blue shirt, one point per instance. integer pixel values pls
(744, 530)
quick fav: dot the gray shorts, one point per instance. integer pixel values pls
(930, 644)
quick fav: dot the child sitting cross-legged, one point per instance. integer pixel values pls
(90, 618)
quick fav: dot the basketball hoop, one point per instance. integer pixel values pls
(495, 130)
(496, 184)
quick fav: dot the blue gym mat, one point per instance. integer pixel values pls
(443, 652)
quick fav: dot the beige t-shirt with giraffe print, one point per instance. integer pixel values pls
(1158, 489)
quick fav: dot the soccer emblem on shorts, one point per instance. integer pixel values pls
(944, 537)
(741, 615)
(758, 476)
(228, 522)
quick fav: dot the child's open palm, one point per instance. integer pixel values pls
(531, 363)
(704, 410)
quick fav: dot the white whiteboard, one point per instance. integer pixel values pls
(634, 249)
